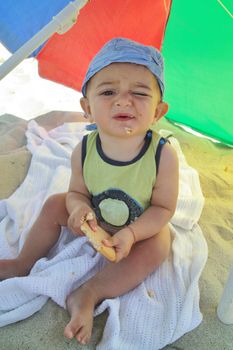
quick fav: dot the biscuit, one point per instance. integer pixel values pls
(96, 237)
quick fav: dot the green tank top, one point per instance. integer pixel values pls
(120, 191)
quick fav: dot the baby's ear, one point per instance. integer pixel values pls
(86, 109)
(85, 105)
(161, 110)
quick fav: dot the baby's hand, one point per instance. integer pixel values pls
(77, 218)
(122, 241)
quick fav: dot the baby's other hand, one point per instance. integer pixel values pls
(77, 218)
(122, 241)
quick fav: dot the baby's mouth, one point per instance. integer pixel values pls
(123, 117)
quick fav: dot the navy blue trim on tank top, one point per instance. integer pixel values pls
(84, 149)
(146, 145)
(122, 163)
(161, 143)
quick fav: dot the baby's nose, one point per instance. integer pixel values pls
(123, 99)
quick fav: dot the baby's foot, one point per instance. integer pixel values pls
(80, 304)
(11, 268)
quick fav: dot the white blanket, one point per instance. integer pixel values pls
(157, 312)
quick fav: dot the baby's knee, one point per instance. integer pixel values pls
(54, 205)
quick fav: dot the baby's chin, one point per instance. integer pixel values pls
(128, 130)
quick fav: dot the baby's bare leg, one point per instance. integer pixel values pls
(42, 236)
(114, 280)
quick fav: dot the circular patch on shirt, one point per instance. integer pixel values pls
(115, 207)
(114, 211)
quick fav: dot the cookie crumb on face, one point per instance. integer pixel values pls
(128, 130)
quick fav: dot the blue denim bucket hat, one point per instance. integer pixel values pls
(126, 51)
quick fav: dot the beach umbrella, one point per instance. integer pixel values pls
(194, 36)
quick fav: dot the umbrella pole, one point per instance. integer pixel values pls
(60, 23)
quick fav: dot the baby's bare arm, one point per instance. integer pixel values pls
(78, 198)
(164, 197)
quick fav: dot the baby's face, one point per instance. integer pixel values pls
(122, 99)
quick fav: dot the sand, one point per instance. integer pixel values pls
(214, 163)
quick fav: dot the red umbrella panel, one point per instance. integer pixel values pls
(65, 58)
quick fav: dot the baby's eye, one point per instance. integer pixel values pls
(139, 93)
(107, 92)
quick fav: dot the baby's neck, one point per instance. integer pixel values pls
(124, 149)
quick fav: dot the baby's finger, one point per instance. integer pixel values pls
(92, 222)
(108, 242)
(119, 256)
